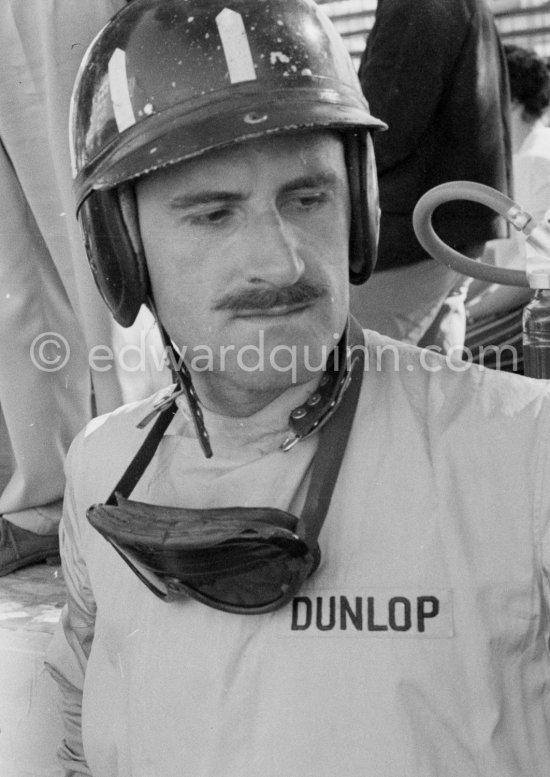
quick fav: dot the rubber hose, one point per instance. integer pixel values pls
(475, 192)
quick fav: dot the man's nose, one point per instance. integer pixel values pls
(274, 252)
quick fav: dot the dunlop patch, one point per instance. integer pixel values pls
(373, 613)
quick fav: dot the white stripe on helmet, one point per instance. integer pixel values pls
(236, 46)
(120, 93)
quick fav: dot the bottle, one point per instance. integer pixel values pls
(536, 327)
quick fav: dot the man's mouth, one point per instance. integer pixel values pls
(277, 311)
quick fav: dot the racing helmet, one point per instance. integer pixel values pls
(168, 80)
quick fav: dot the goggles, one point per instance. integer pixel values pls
(245, 560)
(241, 560)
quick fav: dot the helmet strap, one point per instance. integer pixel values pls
(318, 408)
(184, 384)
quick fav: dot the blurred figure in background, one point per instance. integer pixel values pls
(51, 315)
(530, 92)
(494, 311)
(435, 72)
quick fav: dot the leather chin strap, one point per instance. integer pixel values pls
(167, 408)
(304, 420)
(318, 408)
(183, 386)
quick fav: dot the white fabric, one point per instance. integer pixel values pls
(438, 530)
(532, 172)
(532, 183)
(45, 283)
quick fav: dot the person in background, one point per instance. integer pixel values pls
(400, 624)
(530, 95)
(51, 315)
(495, 312)
(434, 71)
(530, 92)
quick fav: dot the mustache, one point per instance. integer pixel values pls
(271, 297)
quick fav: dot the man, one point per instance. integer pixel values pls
(224, 175)
(530, 92)
(435, 72)
(495, 312)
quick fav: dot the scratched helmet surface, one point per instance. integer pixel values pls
(168, 80)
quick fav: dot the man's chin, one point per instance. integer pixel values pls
(273, 383)
(299, 356)
(239, 392)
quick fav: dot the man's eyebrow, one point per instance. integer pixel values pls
(203, 197)
(313, 181)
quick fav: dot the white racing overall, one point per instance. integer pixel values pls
(419, 647)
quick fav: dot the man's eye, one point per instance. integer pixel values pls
(211, 217)
(310, 201)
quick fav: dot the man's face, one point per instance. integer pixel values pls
(247, 251)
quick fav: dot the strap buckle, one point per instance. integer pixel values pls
(161, 402)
